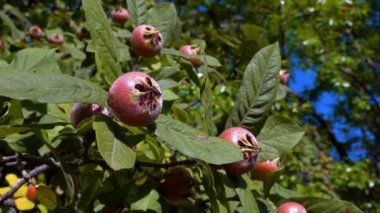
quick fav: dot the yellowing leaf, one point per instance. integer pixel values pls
(21, 192)
(24, 204)
(42, 208)
(141, 181)
(47, 197)
(12, 179)
(3, 190)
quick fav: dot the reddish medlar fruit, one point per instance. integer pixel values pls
(261, 169)
(291, 207)
(35, 32)
(82, 33)
(56, 38)
(119, 15)
(1, 44)
(31, 192)
(147, 41)
(177, 185)
(249, 146)
(192, 50)
(283, 77)
(81, 111)
(135, 99)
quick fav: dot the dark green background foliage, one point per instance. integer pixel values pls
(105, 165)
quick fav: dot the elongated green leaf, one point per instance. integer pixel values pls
(207, 102)
(16, 12)
(35, 59)
(150, 202)
(103, 40)
(258, 90)
(270, 180)
(7, 130)
(164, 17)
(8, 21)
(116, 154)
(194, 143)
(49, 88)
(283, 193)
(245, 195)
(209, 184)
(137, 11)
(317, 205)
(278, 135)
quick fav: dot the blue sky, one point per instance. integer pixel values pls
(302, 80)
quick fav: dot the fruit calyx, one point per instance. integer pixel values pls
(152, 36)
(246, 144)
(149, 94)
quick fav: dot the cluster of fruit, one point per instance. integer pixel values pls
(135, 99)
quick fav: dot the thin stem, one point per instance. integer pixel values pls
(165, 165)
(23, 180)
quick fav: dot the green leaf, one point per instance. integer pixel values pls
(277, 189)
(89, 184)
(47, 197)
(102, 39)
(116, 153)
(245, 195)
(44, 87)
(191, 72)
(164, 17)
(270, 180)
(209, 184)
(194, 143)
(137, 11)
(35, 59)
(278, 135)
(149, 202)
(8, 21)
(207, 102)
(316, 205)
(7, 130)
(257, 91)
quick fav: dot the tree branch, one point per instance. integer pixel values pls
(328, 127)
(166, 165)
(16, 187)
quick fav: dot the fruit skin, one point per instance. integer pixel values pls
(82, 33)
(146, 41)
(262, 169)
(291, 207)
(249, 146)
(120, 15)
(177, 185)
(35, 32)
(192, 50)
(283, 77)
(31, 193)
(135, 98)
(57, 38)
(81, 111)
